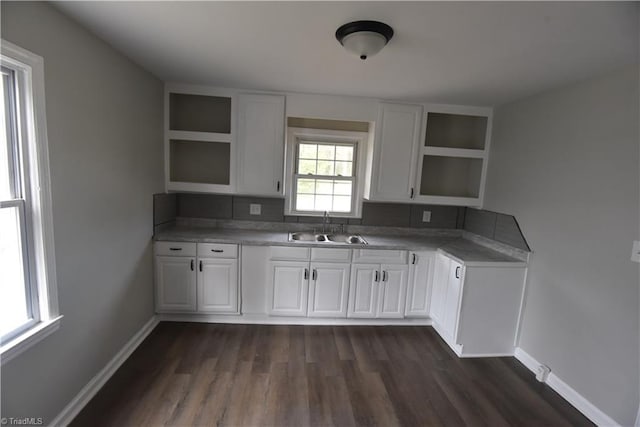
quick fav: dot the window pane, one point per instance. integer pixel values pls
(304, 202)
(6, 147)
(325, 167)
(344, 152)
(342, 188)
(326, 152)
(306, 167)
(344, 168)
(306, 186)
(341, 203)
(323, 203)
(324, 187)
(308, 151)
(14, 305)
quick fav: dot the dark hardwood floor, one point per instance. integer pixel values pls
(256, 375)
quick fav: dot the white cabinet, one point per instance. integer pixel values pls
(475, 308)
(397, 140)
(218, 286)
(200, 278)
(377, 290)
(289, 284)
(260, 144)
(328, 289)
(420, 283)
(175, 284)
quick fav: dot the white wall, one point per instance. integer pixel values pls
(565, 163)
(104, 118)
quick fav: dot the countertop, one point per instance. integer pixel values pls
(463, 250)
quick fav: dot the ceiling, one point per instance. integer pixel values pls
(473, 53)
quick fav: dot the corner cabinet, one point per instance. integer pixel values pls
(452, 159)
(397, 139)
(475, 308)
(260, 144)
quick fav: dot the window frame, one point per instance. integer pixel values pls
(37, 217)
(296, 136)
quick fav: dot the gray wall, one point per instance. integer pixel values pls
(565, 163)
(104, 117)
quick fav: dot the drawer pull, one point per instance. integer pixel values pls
(219, 251)
(375, 279)
(457, 272)
(315, 274)
(175, 249)
(384, 276)
(200, 265)
(306, 274)
(414, 259)
(191, 265)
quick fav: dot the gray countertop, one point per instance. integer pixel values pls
(461, 249)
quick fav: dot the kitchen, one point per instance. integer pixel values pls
(547, 191)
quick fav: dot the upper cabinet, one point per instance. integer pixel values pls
(199, 139)
(260, 143)
(397, 140)
(452, 161)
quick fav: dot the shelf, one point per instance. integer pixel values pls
(456, 131)
(454, 152)
(199, 113)
(199, 136)
(451, 176)
(202, 162)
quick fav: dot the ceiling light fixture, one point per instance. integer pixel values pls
(364, 38)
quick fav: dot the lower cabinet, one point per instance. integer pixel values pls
(475, 308)
(419, 286)
(328, 290)
(196, 278)
(289, 288)
(377, 290)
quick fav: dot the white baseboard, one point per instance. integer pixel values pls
(74, 407)
(587, 408)
(264, 319)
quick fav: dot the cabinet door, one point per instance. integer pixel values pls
(363, 290)
(289, 282)
(175, 284)
(419, 284)
(393, 287)
(440, 283)
(396, 148)
(328, 290)
(218, 285)
(452, 298)
(260, 144)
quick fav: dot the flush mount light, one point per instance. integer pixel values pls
(364, 38)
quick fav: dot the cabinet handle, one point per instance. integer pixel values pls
(411, 196)
(384, 276)
(200, 265)
(278, 186)
(175, 249)
(217, 250)
(192, 265)
(315, 274)
(306, 274)
(375, 279)
(457, 272)
(413, 260)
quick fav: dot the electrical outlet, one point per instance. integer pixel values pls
(255, 209)
(635, 251)
(426, 216)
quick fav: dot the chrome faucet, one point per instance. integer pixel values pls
(325, 221)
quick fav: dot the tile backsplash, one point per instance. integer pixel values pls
(500, 227)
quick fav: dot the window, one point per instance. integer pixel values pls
(28, 303)
(324, 168)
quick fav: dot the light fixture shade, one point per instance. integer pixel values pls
(364, 38)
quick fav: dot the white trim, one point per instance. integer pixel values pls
(263, 319)
(74, 407)
(637, 424)
(587, 408)
(28, 339)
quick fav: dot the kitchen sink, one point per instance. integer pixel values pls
(348, 239)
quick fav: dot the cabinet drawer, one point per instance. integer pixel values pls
(175, 248)
(289, 253)
(387, 256)
(330, 254)
(217, 250)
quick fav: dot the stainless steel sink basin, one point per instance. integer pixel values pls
(348, 239)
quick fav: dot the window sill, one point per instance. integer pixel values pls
(18, 345)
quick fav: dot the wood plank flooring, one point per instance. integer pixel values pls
(257, 375)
